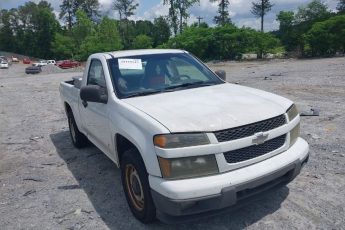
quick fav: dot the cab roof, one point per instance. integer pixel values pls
(126, 53)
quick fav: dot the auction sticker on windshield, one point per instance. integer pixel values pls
(125, 63)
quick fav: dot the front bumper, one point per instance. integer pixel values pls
(206, 195)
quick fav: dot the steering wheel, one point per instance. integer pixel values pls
(184, 76)
(178, 78)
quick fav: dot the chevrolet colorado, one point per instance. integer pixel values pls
(188, 144)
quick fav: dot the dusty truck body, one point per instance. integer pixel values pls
(188, 144)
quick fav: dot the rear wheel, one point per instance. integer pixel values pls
(136, 186)
(79, 140)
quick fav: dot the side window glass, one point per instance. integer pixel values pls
(96, 74)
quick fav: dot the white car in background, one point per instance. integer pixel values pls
(51, 62)
(3, 64)
(14, 59)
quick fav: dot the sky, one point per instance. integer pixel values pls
(239, 10)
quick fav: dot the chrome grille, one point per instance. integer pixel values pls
(250, 130)
(254, 151)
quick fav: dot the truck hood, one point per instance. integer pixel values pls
(210, 108)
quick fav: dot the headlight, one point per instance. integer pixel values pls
(294, 134)
(169, 141)
(187, 167)
(292, 112)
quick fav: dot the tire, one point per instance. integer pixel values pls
(79, 140)
(136, 186)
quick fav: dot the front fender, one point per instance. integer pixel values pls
(139, 128)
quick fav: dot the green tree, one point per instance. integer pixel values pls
(173, 16)
(196, 40)
(90, 7)
(22, 26)
(341, 6)
(182, 6)
(178, 13)
(223, 42)
(203, 24)
(67, 12)
(161, 31)
(104, 38)
(29, 29)
(327, 37)
(316, 10)
(125, 8)
(260, 9)
(6, 33)
(223, 12)
(25, 14)
(306, 16)
(142, 42)
(69, 8)
(44, 26)
(144, 27)
(287, 32)
(286, 19)
(82, 28)
(87, 38)
(267, 43)
(108, 35)
(63, 46)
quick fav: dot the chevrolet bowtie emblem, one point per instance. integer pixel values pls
(260, 138)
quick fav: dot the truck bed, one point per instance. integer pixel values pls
(76, 82)
(69, 93)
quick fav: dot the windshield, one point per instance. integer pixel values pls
(159, 73)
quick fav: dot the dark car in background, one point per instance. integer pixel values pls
(33, 70)
(66, 64)
(3, 58)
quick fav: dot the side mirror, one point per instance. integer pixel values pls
(93, 93)
(221, 74)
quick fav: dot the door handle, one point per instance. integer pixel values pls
(84, 103)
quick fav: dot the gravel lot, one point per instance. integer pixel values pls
(45, 183)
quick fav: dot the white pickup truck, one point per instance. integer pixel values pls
(188, 143)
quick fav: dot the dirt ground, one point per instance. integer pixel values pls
(45, 183)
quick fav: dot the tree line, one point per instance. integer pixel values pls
(33, 29)
(313, 30)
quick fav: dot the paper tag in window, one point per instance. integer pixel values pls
(125, 63)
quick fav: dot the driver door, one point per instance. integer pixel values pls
(95, 115)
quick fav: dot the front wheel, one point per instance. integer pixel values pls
(136, 186)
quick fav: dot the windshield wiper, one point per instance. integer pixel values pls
(171, 88)
(191, 85)
(144, 93)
